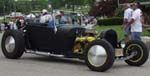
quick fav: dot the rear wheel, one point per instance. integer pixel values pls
(141, 53)
(99, 55)
(13, 44)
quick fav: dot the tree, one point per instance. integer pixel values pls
(104, 8)
(27, 6)
(1, 7)
(5, 6)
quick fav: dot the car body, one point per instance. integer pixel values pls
(45, 39)
(98, 50)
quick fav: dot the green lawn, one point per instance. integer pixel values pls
(2, 20)
(119, 30)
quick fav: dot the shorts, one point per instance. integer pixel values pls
(127, 31)
(136, 35)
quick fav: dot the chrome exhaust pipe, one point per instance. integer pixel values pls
(43, 53)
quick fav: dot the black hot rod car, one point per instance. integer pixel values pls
(98, 50)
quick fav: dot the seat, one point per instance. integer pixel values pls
(38, 24)
(69, 31)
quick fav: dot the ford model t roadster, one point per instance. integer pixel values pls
(98, 50)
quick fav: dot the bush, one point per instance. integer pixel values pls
(111, 21)
(119, 12)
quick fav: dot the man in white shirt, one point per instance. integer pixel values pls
(136, 24)
(127, 17)
(45, 18)
(63, 19)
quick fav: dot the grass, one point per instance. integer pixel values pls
(119, 30)
(2, 20)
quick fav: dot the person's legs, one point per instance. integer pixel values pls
(127, 34)
(136, 36)
(132, 36)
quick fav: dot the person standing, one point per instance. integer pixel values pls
(63, 19)
(135, 22)
(127, 17)
(45, 18)
(2, 27)
(12, 24)
(20, 22)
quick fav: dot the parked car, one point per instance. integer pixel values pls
(15, 14)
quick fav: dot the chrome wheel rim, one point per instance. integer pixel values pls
(97, 55)
(10, 44)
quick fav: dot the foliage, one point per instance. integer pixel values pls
(110, 21)
(29, 5)
(24, 6)
(119, 11)
(6, 20)
(138, 0)
(119, 30)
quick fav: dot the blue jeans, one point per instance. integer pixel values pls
(127, 31)
(136, 35)
(51, 24)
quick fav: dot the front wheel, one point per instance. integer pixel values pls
(99, 55)
(141, 52)
(13, 44)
